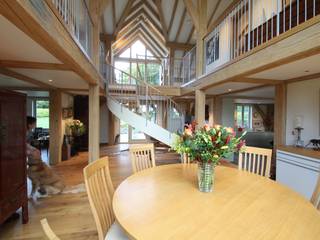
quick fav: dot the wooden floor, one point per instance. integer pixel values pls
(69, 214)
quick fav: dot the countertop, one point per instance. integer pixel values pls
(300, 151)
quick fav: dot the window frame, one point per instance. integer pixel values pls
(236, 120)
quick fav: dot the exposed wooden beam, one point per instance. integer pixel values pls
(151, 9)
(162, 20)
(142, 13)
(303, 78)
(214, 12)
(172, 15)
(181, 24)
(222, 16)
(123, 16)
(25, 78)
(114, 20)
(258, 80)
(41, 23)
(261, 59)
(140, 28)
(193, 12)
(180, 46)
(106, 37)
(243, 90)
(33, 65)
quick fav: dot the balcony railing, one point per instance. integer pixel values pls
(76, 16)
(252, 23)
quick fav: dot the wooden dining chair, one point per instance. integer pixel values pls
(47, 230)
(256, 160)
(142, 156)
(100, 192)
(315, 199)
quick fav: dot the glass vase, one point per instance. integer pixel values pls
(205, 176)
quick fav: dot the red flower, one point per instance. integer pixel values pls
(241, 144)
(228, 139)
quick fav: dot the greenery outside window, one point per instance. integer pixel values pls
(243, 116)
(42, 113)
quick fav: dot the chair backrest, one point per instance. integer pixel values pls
(100, 192)
(47, 230)
(142, 156)
(315, 199)
(256, 160)
(185, 158)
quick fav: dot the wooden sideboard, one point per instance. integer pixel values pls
(298, 168)
(13, 168)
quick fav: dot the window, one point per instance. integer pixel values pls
(243, 116)
(139, 62)
(42, 113)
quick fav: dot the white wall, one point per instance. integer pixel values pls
(262, 11)
(227, 112)
(224, 47)
(104, 124)
(303, 100)
(29, 107)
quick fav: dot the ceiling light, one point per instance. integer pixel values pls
(50, 80)
(229, 90)
(306, 71)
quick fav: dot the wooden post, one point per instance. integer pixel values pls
(94, 122)
(280, 112)
(211, 111)
(202, 30)
(280, 116)
(217, 112)
(200, 107)
(171, 66)
(55, 126)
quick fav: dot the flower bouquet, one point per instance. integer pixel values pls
(75, 128)
(207, 146)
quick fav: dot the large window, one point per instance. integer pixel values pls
(42, 113)
(139, 62)
(243, 116)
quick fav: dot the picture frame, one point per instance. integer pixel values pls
(67, 113)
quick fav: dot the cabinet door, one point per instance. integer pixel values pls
(13, 143)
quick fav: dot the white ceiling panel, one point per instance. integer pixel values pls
(227, 87)
(60, 79)
(303, 67)
(6, 81)
(16, 45)
(267, 92)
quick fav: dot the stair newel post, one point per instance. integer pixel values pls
(147, 105)
(121, 82)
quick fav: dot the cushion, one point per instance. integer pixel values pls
(116, 233)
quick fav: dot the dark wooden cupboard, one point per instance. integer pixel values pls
(13, 168)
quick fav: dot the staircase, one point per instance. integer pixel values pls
(142, 106)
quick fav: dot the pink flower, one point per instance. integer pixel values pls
(230, 130)
(188, 132)
(217, 126)
(206, 127)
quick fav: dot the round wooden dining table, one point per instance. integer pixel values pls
(164, 203)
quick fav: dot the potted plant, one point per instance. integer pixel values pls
(207, 146)
(74, 129)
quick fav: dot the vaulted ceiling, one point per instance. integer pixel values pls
(157, 22)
